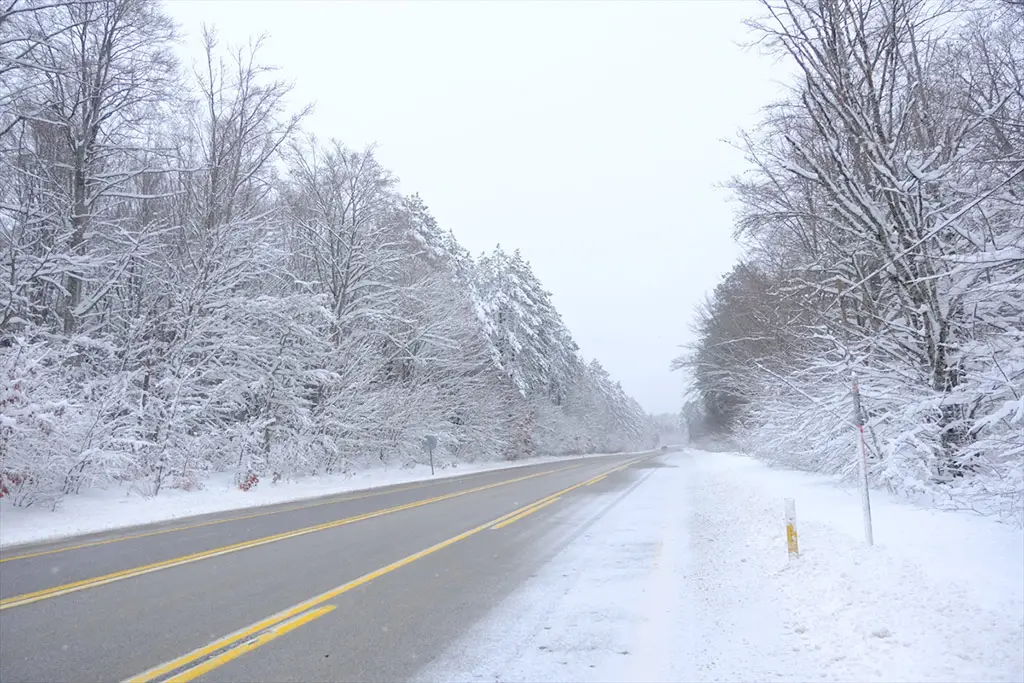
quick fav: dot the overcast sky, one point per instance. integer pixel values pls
(587, 135)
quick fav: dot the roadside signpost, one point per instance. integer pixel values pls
(862, 459)
(430, 443)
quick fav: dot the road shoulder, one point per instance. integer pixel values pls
(688, 578)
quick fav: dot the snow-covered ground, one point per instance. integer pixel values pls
(105, 509)
(687, 579)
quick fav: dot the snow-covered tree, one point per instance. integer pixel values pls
(192, 285)
(883, 219)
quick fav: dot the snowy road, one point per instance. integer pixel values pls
(622, 568)
(362, 587)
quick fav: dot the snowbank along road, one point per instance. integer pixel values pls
(367, 586)
(686, 578)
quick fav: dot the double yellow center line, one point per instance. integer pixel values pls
(65, 589)
(209, 657)
(544, 502)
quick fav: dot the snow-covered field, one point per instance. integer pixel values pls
(687, 579)
(104, 509)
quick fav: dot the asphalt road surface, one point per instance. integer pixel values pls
(366, 586)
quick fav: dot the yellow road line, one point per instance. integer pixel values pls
(173, 665)
(238, 518)
(198, 657)
(199, 525)
(524, 513)
(247, 646)
(592, 480)
(64, 589)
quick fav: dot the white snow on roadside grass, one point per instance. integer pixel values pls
(96, 510)
(687, 578)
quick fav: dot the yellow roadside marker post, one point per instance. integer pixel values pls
(791, 539)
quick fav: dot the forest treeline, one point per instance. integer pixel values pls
(191, 283)
(882, 216)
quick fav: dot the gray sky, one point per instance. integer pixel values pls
(588, 135)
